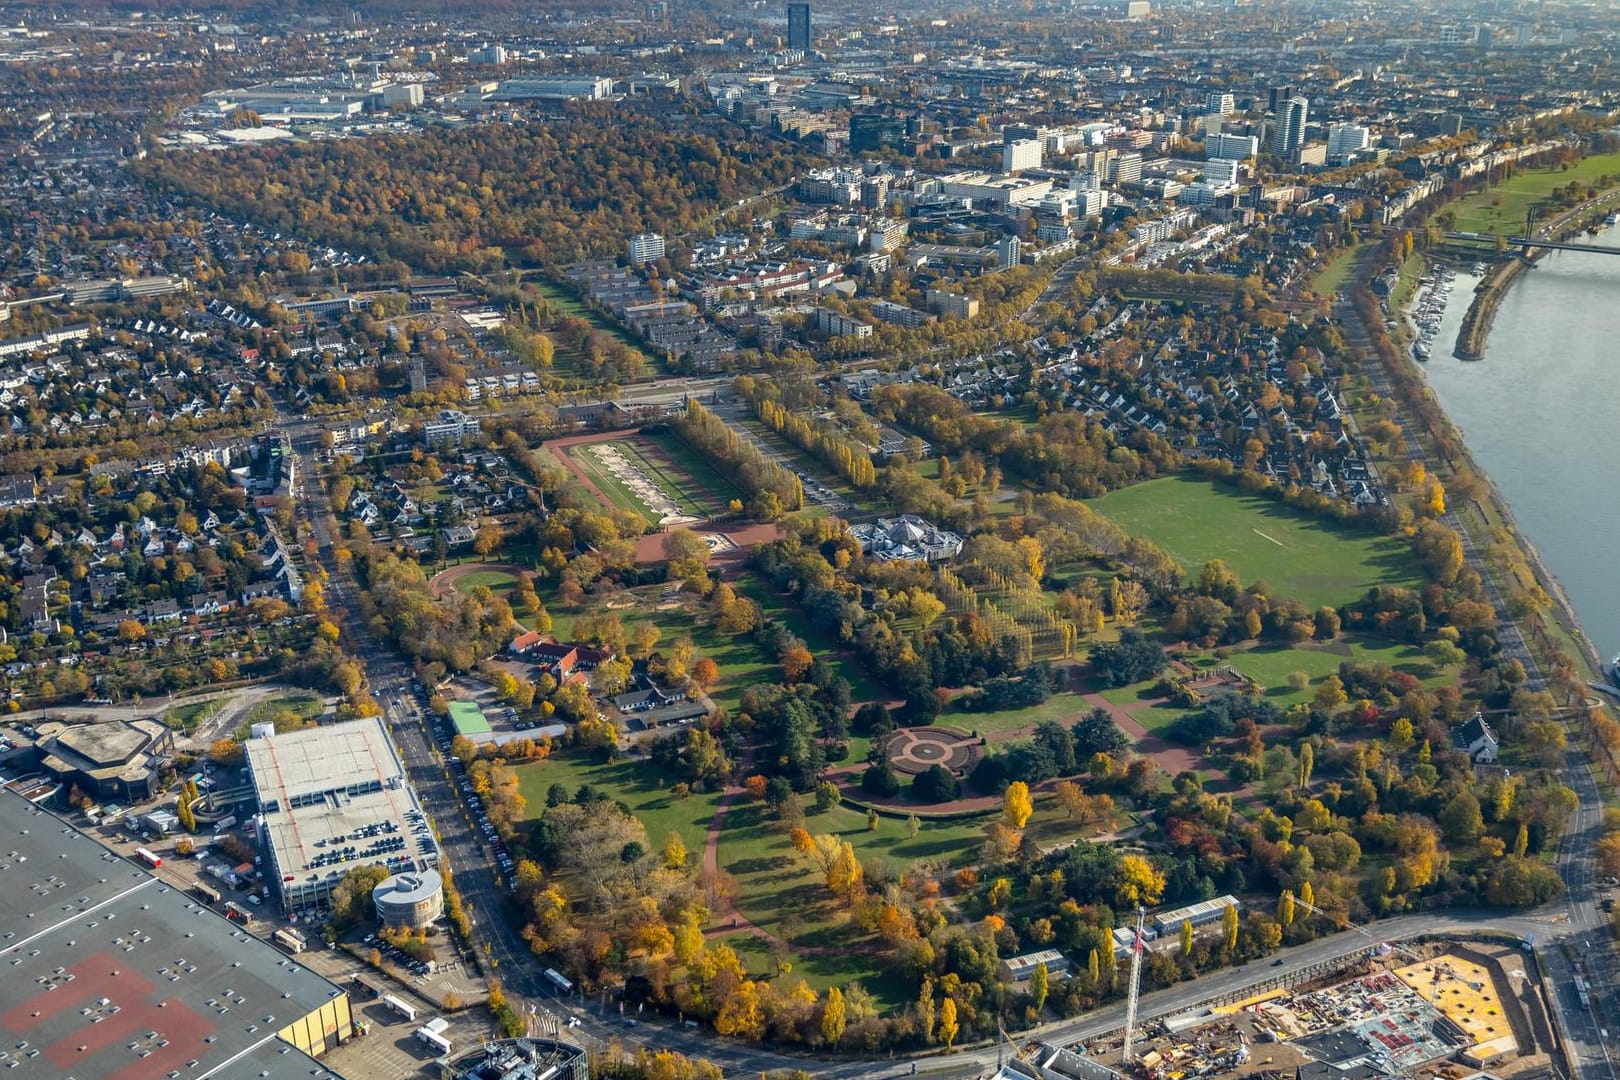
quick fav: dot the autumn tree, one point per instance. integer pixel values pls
(834, 1016)
(1039, 986)
(1016, 806)
(948, 1028)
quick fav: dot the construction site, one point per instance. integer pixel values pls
(1444, 1009)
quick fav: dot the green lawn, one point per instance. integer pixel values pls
(499, 582)
(775, 885)
(188, 714)
(1064, 707)
(699, 470)
(1335, 272)
(1501, 209)
(1298, 555)
(306, 706)
(635, 782)
(1271, 666)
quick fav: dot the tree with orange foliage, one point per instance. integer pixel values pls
(796, 662)
(755, 786)
(705, 673)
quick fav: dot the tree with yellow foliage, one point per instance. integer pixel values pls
(674, 851)
(948, 1027)
(1016, 806)
(834, 1016)
(844, 873)
(1140, 883)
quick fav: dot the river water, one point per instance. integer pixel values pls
(1541, 415)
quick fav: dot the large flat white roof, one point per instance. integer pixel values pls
(335, 797)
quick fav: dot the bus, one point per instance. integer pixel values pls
(405, 1009)
(427, 1034)
(559, 980)
(206, 893)
(148, 858)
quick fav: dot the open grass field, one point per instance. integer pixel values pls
(499, 582)
(1270, 666)
(1501, 209)
(698, 469)
(189, 714)
(638, 784)
(1335, 272)
(1063, 707)
(305, 706)
(1302, 557)
(617, 491)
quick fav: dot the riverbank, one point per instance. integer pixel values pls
(1491, 513)
(1488, 295)
(1476, 328)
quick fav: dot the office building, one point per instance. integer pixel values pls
(872, 132)
(1278, 97)
(999, 192)
(646, 248)
(331, 799)
(1231, 147)
(1020, 155)
(1219, 172)
(113, 972)
(1126, 169)
(414, 899)
(1220, 104)
(798, 22)
(1290, 133)
(1009, 251)
(1345, 141)
(491, 55)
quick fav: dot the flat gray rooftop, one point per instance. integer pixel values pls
(301, 765)
(111, 973)
(333, 798)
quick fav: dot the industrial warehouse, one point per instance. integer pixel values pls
(112, 973)
(331, 799)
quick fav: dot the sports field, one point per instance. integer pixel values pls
(640, 474)
(1300, 556)
(1501, 209)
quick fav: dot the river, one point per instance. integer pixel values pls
(1541, 416)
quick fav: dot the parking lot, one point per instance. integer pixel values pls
(442, 734)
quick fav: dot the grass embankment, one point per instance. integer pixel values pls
(1335, 272)
(1500, 209)
(1299, 555)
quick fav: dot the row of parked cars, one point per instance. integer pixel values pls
(399, 957)
(443, 732)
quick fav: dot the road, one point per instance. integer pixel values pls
(1581, 932)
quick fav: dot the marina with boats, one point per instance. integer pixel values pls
(1429, 307)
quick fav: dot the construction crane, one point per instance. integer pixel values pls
(1135, 991)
